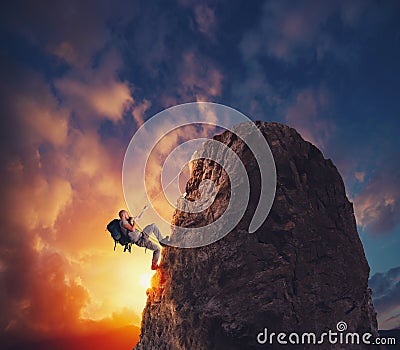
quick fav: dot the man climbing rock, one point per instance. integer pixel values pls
(142, 239)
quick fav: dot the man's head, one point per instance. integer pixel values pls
(123, 214)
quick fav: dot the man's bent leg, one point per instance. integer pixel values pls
(155, 248)
(153, 228)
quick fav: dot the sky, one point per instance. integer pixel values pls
(79, 78)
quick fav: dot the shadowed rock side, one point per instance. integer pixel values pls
(304, 270)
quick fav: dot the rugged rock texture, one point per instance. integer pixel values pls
(304, 270)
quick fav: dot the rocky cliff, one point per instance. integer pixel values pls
(303, 270)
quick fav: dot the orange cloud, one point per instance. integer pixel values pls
(62, 184)
(47, 198)
(70, 294)
(139, 110)
(156, 161)
(360, 176)
(36, 114)
(32, 113)
(377, 205)
(90, 156)
(376, 210)
(38, 125)
(199, 77)
(43, 298)
(96, 92)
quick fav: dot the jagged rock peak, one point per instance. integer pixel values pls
(303, 270)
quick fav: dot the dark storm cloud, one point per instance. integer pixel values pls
(171, 56)
(291, 47)
(386, 297)
(289, 31)
(71, 30)
(304, 37)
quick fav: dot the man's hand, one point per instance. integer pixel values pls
(131, 225)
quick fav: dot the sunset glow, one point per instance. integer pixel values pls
(145, 279)
(80, 78)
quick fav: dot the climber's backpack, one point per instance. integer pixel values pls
(118, 236)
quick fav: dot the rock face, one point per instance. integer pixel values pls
(304, 270)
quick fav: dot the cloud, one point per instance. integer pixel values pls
(205, 19)
(31, 113)
(47, 198)
(61, 182)
(377, 205)
(71, 30)
(157, 168)
(35, 124)
(39, 310)
(306, 115)
(92, 158)
(34, 114)
(288, 31)
(32, 277)
(139, 110)
(199, 77)
(360, 176)
(47, 300)
(286, 27)
(254, 91)
(155, 44)
(164, 144)
(96, 92)
(39, 295)
(61, 172)
(386, 297)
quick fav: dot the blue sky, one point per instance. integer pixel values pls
(78, 78)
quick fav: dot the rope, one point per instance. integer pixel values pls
(137, 217)
(162, 191)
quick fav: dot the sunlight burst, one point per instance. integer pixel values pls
(145, 279)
